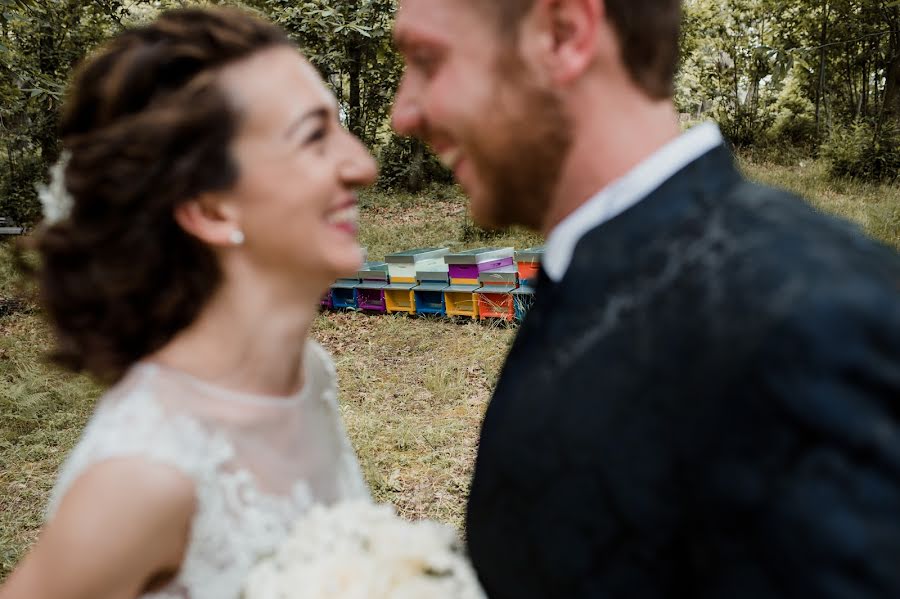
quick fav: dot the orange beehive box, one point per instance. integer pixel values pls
(528, 263)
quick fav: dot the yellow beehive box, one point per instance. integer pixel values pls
(461, 300)
(400, 298)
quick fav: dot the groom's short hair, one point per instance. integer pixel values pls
(648, 32)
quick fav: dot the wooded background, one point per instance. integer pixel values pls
(785, 79)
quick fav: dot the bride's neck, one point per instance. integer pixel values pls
(248, 337)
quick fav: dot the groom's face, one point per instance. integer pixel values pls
(469, 93)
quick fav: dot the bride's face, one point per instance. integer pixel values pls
(294, 198)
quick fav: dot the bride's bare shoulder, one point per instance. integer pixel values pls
(122, 523)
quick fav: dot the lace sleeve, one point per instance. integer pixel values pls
(139, 428)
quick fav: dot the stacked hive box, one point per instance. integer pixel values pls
(495, 299)
(434, 278)
(343, 294)
(465, 269)
(402, 269)
(374, 279)
(528, 263)
(6, 227)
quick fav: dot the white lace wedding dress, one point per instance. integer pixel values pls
(257, 463)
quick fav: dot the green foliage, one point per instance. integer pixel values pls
(40, 42)
(795, 113)
(350, 43)
(407, 165)
(860, 151)
(779, 75)
(18, 196)
(740, 127)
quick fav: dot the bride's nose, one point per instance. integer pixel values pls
(358, 167)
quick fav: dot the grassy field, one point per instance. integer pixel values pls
(413, 390)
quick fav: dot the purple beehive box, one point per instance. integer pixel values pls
(470, 264)
(370, 292)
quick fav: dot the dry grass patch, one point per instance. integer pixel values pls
(413, 391)
(876, 208)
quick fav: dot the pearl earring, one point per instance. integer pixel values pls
(236, 237)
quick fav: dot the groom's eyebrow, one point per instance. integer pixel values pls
(406, 42)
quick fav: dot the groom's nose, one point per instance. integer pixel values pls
(406, 115)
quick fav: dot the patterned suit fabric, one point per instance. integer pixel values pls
(706, 406)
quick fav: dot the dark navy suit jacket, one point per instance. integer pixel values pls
(706, 406)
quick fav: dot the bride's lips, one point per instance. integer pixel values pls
(345, 216)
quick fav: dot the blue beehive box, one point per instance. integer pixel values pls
(429, 294)
(523, 298)
(343, 294)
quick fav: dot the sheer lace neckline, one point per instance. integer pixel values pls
(228, 394)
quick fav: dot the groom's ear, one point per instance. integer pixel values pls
(567, 33)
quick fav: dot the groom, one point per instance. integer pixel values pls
(704, 401)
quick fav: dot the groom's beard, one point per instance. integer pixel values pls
(520, 156)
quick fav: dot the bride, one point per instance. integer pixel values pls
(207, 203)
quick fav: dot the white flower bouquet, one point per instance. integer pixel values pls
(358, 550)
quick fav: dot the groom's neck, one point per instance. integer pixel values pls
(613, 133)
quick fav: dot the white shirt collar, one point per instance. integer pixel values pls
(624, 193)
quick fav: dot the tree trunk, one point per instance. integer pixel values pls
(890, 107)
(416, 179)
(354, 120)
(46, 136)
(890, 104)
(820, 89)
(855, 103)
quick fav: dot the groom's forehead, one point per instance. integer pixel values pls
(439, 21)
(438, 13)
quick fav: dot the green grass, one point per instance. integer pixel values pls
(42, 413)
(413, 390)
(876, 208)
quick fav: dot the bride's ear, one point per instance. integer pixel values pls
(210, 220)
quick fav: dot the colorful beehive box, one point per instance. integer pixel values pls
(374, 279)
(529, 263)
(460, 300)
(402, 265)
(7, 228)
(495, 299)
(523, 298)
(465, 267)
(434, 279)
(399, 296)
(343, 294)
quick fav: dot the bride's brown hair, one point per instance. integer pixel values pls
(148, 127)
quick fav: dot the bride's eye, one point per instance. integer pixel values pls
(317, 135)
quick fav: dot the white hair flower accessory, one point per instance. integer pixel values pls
(56, 200)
